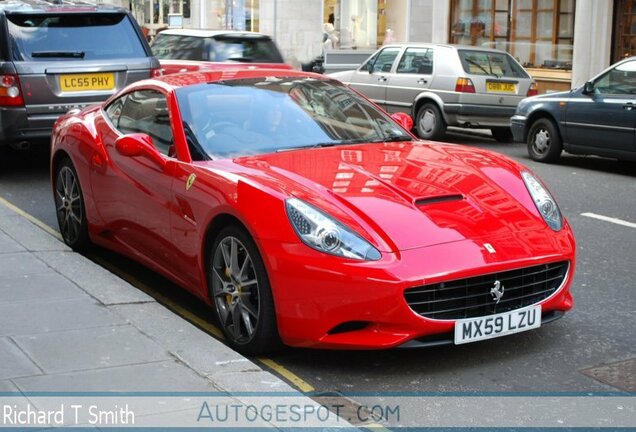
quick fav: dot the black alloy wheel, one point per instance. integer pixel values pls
(69, 204)
(240, 290)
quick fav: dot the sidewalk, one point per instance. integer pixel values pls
(68, 325)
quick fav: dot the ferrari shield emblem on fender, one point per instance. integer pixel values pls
(191, 179)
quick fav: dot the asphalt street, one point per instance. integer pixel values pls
(597, 339)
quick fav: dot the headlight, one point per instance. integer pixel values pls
(325, 234)
(546, 205)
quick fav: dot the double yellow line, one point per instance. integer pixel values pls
(204, 325)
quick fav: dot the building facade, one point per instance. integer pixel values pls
(562, 43)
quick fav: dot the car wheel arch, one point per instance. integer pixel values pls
(537, 115)
(428, 97)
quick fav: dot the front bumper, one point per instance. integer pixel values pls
(325, 302)
(518, 128)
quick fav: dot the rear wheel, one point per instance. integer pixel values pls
(544, 141)
(240, 290)
(502, 134)
(69, 204)
(430, 123)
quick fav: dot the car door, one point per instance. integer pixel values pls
(371, 78)
(605, 118)
(134, 193)
(413, 75)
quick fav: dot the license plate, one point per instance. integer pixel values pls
(500, 87)
(492, 326)
(87, 82)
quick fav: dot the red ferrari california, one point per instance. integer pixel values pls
(308, 217)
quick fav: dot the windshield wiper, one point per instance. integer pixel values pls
(324, 144)
(395, 138)
(241, 59)
(61, 54)
(487, 72)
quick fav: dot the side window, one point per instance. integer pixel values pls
(146, 111)
(113, 111)
(619, 81)
(416, 61)
(382, 61)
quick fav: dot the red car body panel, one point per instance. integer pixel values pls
(181, 66)
(429, 208)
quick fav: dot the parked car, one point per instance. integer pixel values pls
(598, 118)
(57, 57)
(306, 215)
(188, 50)
(444, 85)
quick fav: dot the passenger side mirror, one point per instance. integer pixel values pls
(369, 67)
(588, 88)
(139, 144)
(403, 119)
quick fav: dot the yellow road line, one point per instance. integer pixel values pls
(31, 219)
(289, 375)
(167, 302)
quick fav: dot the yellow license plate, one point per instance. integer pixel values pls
(500, 87)
(87, 82)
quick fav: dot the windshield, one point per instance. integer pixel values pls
(264, 115)
(73, 36)
(496, 64)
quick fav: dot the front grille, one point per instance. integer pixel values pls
(468, 298)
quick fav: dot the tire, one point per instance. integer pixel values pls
(430, 123)
(544, 141)
(235, 261)
(69, 205)
(502, 134)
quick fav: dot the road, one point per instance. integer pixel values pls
(600, 331)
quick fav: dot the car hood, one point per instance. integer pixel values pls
(407, 195)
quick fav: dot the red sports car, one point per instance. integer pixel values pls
(307, 216)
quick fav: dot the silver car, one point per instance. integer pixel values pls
(444, 85)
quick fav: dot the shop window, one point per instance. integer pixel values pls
(624, 30)
(539, 33)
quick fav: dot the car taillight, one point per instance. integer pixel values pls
(156, 72)
(10, 93)
(533, 90)
(464, 85)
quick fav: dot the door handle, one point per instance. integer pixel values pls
(628, 106)
(422, 81)
(382, 79)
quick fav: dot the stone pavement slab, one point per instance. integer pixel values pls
(21, 263)
(163, 376)
(95, 280)
(29, 235)
(14, 362)
(8, 245)
(41, 317)
(39, 287)
(90, 348)
(189, 344)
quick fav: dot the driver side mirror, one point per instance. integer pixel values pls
(403, 119)
(588, 88)
(139, 144)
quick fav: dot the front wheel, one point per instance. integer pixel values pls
(69, 204)
(240, 290)
(430, 123)
(544, 141)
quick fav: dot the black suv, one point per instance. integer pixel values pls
(54, 57)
